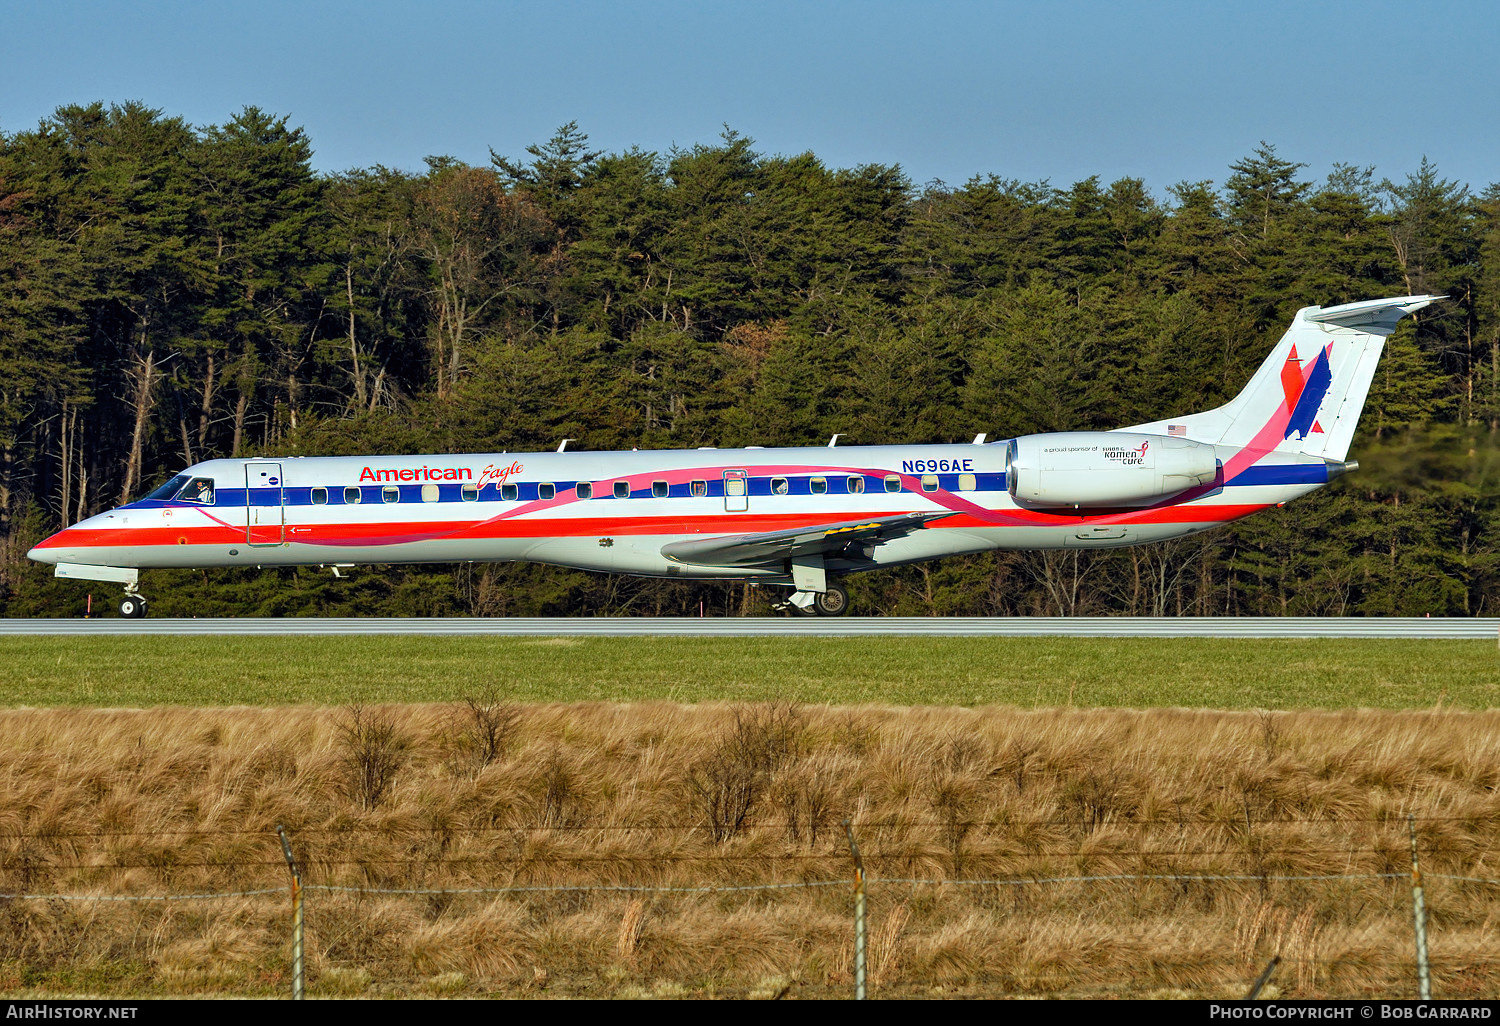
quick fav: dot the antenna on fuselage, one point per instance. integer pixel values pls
(834, 441)
(563, 445)
(979, 438)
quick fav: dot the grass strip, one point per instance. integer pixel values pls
(154, 671)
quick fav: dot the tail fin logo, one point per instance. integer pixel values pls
(1305, 389)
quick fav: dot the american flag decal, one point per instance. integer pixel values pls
(1177, 430)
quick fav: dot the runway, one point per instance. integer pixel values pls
(1451, 628)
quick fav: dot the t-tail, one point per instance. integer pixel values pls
(1307, 396)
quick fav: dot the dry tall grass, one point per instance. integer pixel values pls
(485, 795)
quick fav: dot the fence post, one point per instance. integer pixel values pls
(1263, 979)
(1419, 916)
(291, 865)
(859, 915)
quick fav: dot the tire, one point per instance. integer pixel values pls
(833, 602)
(132, 607)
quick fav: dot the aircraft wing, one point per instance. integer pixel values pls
(777, 546)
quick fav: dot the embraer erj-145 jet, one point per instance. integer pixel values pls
(797, 518)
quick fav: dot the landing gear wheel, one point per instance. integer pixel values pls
(132, 607)
(833, 602)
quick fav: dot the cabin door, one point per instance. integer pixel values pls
(736, 491)
(265, 516)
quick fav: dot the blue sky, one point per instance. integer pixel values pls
(1162, 91)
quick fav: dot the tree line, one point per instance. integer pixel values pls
(172, 293)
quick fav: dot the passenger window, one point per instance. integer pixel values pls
(429, 493)
(856, 485)
(546, 490)
(779, 486)
(700, 488)
(319, 496)
(509, 492)
(893, 482)
(622, 489)
(966, 482)
(469, 492)
(352, 496)
(585, 489)
(390, 493)
(819, 485)
(929, 482)
(660, 490)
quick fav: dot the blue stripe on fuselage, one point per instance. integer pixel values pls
(529, 491)
(1283, 474)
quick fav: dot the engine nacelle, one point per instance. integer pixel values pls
(1082, 469)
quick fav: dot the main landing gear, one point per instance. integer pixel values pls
(834, 601)
(133, 605)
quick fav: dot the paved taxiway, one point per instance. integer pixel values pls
(1457, 628)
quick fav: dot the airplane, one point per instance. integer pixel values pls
(789, 517)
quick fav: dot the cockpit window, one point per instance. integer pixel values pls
(185, 489)
(167, 490)
(200, 490)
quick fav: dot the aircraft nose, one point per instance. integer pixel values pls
(50, 550)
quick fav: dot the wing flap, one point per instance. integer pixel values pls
(777, 546)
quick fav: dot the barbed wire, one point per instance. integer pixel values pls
(768, 886)
(530, 862)
(313, 859)
(1234, 820)
(1462, 879)
(1179, 877)
(569, 888)
(143, 897)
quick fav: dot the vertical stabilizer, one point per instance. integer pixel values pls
(1308, 394)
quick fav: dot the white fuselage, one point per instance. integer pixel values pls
(529, 506)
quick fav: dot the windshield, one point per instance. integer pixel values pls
(184, 489)
(167, 490)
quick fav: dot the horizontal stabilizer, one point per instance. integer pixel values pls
(775, 546)
(1375, 316)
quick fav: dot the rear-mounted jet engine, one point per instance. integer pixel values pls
(1104, 469)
